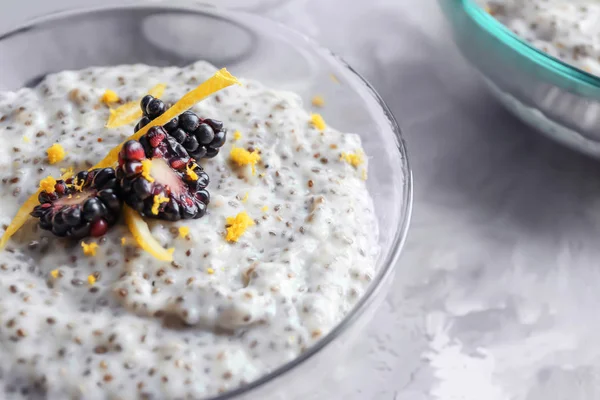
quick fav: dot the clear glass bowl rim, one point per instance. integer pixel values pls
(494, 27)
(401, 233)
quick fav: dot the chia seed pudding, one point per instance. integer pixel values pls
(565, 29)
(121, 324)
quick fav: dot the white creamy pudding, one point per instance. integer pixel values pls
(286, 248)
(566, 29)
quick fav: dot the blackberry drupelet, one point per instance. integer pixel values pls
(202, 138)
(159, 179)
(84, 205)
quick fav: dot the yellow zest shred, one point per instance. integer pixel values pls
(47, 184)
(123, 241)
(245, 198)
(56, 153)
(334, 78)
(91, 279)
(109, 96)
(146, 169)
(237, 135)
(242, 157)
(210, 271)
(89, 249)
(54, 273)
(78, 185)
(26, 139)
(189, 170)
(363, 174)
(318, 101)
(220, 80)
(184, 231)
(236, 226)
(265, 209)
(318, 122)
(354, 159)
(143, 237)
(131, 112)
(157, 201)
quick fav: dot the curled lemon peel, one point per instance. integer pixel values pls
(157, 201)
(91, 280)
(236, 226)
(143, 237)
(131, 112)
(220, 80)
(54, 273)
(210, 271)
(56, 153)
(146, 169)
(242, 157)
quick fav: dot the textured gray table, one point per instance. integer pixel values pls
(496, 294)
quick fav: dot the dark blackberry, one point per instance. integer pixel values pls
(205, 140)
(142, 123)
(85, 205)
(172, 125)
(151, 108)
(155, 108)
(188, 121)
(202, 138)
(159, 179)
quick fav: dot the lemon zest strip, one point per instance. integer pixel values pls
(143, 237)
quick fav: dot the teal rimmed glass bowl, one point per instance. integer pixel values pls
(558, 99)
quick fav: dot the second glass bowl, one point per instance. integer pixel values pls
(554, 97)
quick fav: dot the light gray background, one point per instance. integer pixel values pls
(496, 294)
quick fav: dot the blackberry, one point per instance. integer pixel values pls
(86, 204)
(159, 179)
(202, 138)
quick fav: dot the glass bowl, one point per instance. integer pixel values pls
(554, 97)
(252, 47)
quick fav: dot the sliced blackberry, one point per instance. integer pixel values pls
(86, 204)
(202, 138)
(159, 179)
